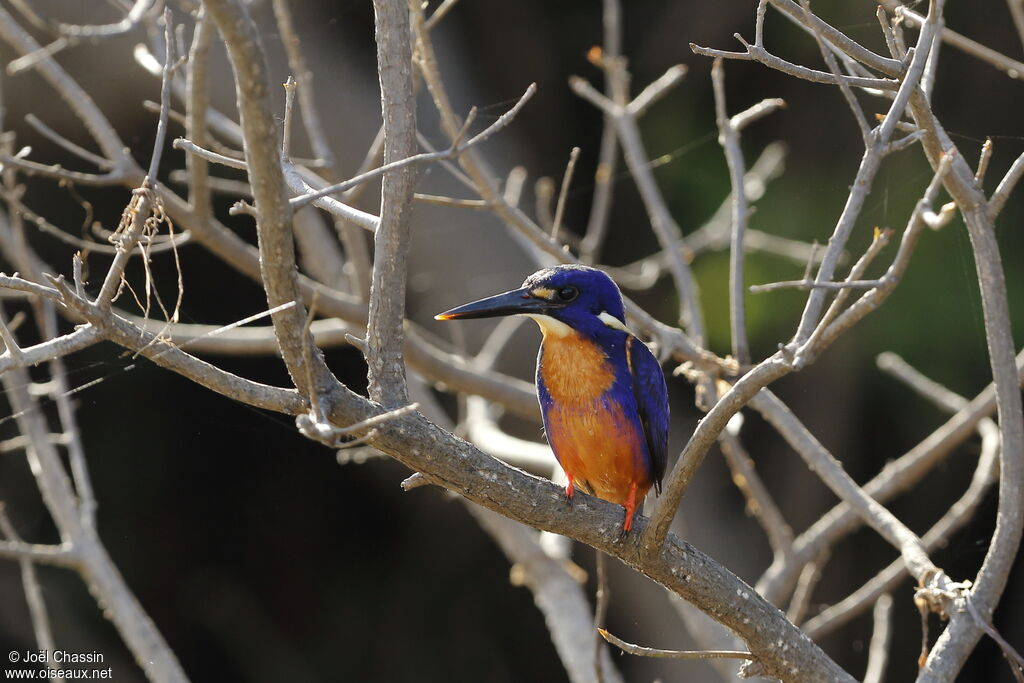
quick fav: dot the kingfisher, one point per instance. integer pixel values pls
(602, 392)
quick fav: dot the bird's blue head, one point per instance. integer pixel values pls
(578, 297)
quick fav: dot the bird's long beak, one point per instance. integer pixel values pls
(516, 302)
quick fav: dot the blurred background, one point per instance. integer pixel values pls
(260, 558)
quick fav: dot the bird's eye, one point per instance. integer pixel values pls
(568, 293)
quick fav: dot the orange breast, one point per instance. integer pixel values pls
(575, 370)
(592, 437)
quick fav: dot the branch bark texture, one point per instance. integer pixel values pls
(384, 330)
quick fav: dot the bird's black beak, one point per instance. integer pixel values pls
(516, 302)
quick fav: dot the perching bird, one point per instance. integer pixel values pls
(602, 392)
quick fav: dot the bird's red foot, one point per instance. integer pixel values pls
(569, 490)
(630, 506)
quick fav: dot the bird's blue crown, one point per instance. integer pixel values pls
(577, 296)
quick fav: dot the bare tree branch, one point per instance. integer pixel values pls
(558, 595)
(958, 515)
(664, 225)
(956, 643)
(90, 557)
(986, 54)
(33, 596)
(881, 640)
(277, 251)
(391, 241)
(673, 654)
(616, 89)
(729, 137)
(894, 478)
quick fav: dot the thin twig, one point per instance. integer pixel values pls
(834, 323)
(663, 224)
(440, 13)
(563, 192)
(55, 137)
(333, 436)
(616, 88)
(196, 107)
(194, 149)
(1013, 658)
(135, 15)
(791, 10)
(761, 55)
(289, 102)
(1011, 67)
(304, 83)
(866, 174)
(729, 138)
(890, 37)
(701, 440)
(657, 89)
(34, 597)
(457, 148)
(1006, 186)
(29, 60)
(451, 201)
(881, 640)
(944, 398)
(165, 98)
(601, 600)
(760, 503)
(810, 575)
(844, 86)
(640, 651)
(983, 160)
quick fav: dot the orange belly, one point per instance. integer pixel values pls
(599, 449)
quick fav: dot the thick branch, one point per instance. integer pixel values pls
(384, 359)
(678, 566)
(273, 220)
(958, 640)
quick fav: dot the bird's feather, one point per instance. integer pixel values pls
(651, 396)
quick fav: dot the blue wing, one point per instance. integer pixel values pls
(651, 396)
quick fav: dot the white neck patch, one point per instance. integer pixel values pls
(611, 321)
(549, 325)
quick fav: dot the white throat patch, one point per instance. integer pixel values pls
(549, 325)
(611, 321)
